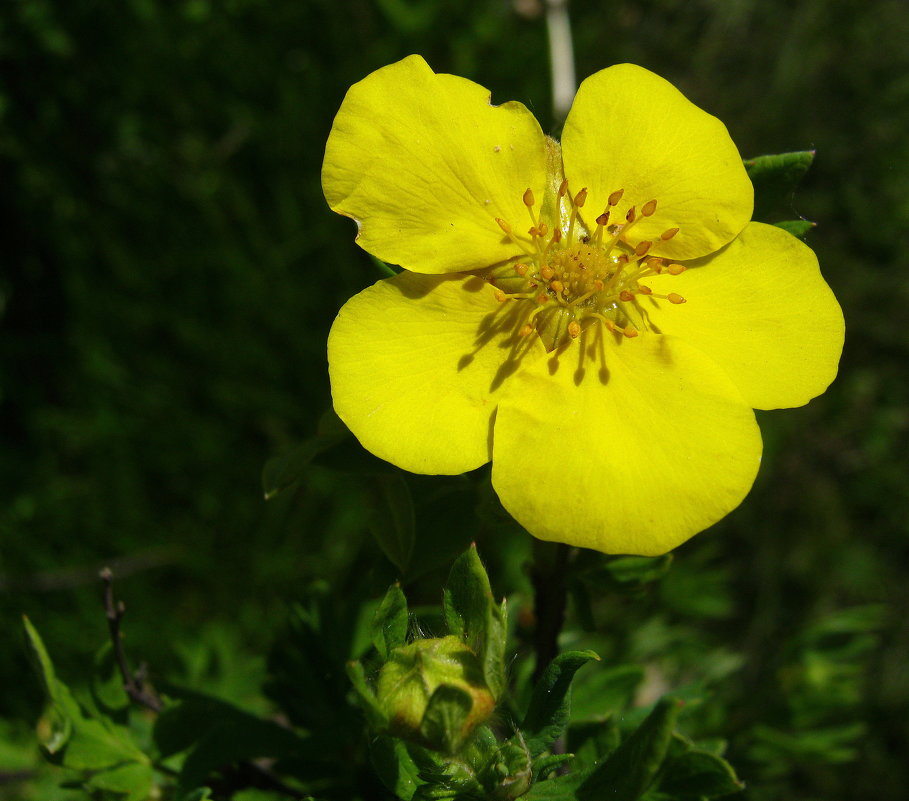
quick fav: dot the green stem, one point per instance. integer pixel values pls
(549, 595)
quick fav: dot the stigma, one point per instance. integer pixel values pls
(569, 278)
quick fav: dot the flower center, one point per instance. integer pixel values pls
(573, 278)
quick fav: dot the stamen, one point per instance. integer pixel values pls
(581, 198)
(615, 197)
(668, 233)
(629, 331)
(528, 197)
(574, 329)
(626, 296)
(649, 208)
(503, 225)
(630, 215)
(672, 297)
(676, 269)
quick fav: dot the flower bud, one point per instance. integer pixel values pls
(419, 679)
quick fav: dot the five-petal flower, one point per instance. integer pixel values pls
(598, 318)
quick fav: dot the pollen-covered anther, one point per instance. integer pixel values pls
(626, 296)
(557, 286)
(668, 234)
(542, 298)
(574, 329)
(649, 208)
(642, 248)
(630, 331)
(521, 269)
(526, 330)
(503, 225)
(543, 229)
(603, 219)
(500, 296)
(655, 265)
(615, 197)
(547, 273)
(528, 197)
(630, 215)
(676, 269)
(563, 188)
(581, 198)
(673, 297)
(557, 235)
(645, 290)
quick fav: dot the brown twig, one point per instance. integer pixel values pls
(132, 682)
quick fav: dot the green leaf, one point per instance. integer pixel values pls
(592, 741)
(625, 574)
(797, 228)
(389, 626)
(545, 766)
(79, 740)
(699, 774)
(560, 788)
(549, 709)
(631, 768)
(134, 780)
(775, 179)
(607, 691)
(443, 721)
(472, 614)
(395, 766)
(391, 518)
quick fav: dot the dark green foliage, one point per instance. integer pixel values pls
(168, 277)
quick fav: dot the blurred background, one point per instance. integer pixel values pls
(170, 270)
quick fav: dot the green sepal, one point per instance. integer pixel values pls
(385, 270)
(390, 518)
(630, 769)
(390, 622)
(550, 703)
(444, 719)
(798, 228)
(472, 614)
(775, 178)
(365, 696)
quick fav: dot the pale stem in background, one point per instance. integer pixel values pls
(561, 56)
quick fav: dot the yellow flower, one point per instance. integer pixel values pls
(598, 318)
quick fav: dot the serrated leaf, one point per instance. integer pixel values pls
(472, 614)
(389, 625)
(391, 518)
(395, 766)
(797, 228)
(775, 178)
(550, 703)
(699, 774)
(443, 721)
(631, 768)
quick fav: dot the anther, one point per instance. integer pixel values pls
(503, 225)
(500, 296)
(598, 285)
(521, 269)
(676, 269)
(625, 295)
(615, 197)
(542, 298)
(543, 229)
(644, 290)
(563, 188)
(526, 330)
(672, 297)
(630, 215)
(603, 219)
(649, 208)
(668, 233)
(642, 247)
(547, 272)
(630, 332)
(528, 197)
(655, 264)
(574, 329)
(581, 198)
(557, 235)
(557, 286)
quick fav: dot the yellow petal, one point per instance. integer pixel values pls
(425, 165)
(630, 129)
(650, 446)
(417, 363)
(762, 311)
